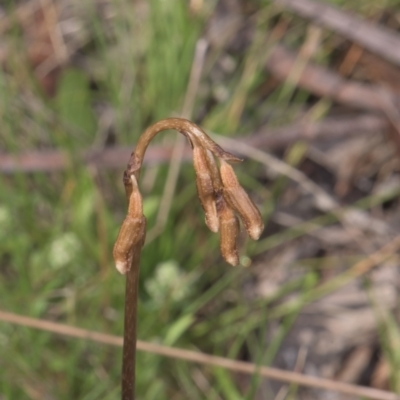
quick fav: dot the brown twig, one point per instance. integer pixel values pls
(55, 160)
(331, 127)
(325, 83)
(201, 358)
(375, 38)
(22, 13)
(351, 218)
(265, 138)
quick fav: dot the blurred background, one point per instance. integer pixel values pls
(307, 92)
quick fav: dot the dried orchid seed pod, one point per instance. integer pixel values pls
(214, 170)
(205, 188)
(132, 231)
(238, 199)
(229, 231)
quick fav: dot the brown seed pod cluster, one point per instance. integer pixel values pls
(220, 194)
(222, 198)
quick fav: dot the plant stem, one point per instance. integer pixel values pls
(134, 225)
(129, 349)
(187, 129)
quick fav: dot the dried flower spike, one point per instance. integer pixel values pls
(205, 188)
(229, 230)
(221, 197)
(132, 230)
(238, 199)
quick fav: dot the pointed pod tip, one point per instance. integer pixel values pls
(224, 155)
(232, 259)
(122, 267)
(231, 158)
(255, 230)
(212, 224)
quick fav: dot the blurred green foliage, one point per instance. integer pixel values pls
(58, 228)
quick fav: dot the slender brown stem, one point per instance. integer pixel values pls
(129, 349)
(132, 275)
(186, 128)
(192, 132)
(128, 248)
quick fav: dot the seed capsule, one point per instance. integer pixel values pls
(132, 231)
(205, 188)
(229, 230)
(238, 199)
(214, 171)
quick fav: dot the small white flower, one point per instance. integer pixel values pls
(168, 281)
(63, 250)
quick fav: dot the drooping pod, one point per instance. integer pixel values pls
(214, 170)
(238, 199)
(205, 188)
(229, 231)
(132, 231)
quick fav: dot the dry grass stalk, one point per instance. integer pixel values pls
(221, 196)
(201, 358)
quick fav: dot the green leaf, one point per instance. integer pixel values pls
(177, 329)
(73, 100)
(225, 384)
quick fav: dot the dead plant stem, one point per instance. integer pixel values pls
(129, 346)
(222, 198)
